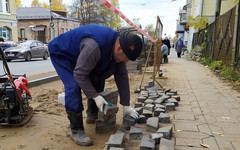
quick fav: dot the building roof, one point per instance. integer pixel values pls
(29, 13)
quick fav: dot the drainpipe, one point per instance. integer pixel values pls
(201, 10)
(218, 8)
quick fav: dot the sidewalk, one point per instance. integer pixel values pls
(208, 114)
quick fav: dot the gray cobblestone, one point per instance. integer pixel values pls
(152, 124)
(147, 144)
(166, 144)
(156, 137)
(115, 140)
(142, 119)
(164, 118)
(170, 106)
(149, 107)
(135, 133)
(147, 113)
(166, 131)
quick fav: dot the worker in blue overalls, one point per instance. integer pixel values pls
(83, 58)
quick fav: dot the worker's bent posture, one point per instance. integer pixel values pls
(83, 58)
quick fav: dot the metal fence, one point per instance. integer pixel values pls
(217, 38)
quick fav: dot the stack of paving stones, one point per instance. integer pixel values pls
(153, 129)
(107, 122)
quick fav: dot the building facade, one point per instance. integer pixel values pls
(8, 21)
(34, 23)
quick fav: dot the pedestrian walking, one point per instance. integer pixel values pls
(83, 58)
(166, 41)
(178, 46)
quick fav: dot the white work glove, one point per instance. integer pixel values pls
(130, 111)
(100, 102)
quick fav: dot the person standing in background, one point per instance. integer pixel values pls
(178, 46)
(167, 43)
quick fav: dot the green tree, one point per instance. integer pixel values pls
(197, 22)
(235, 1)
(112, 19)
(36, 3)
(18, 3)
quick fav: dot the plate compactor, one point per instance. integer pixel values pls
(14, 97)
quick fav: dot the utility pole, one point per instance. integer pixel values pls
(237, 46)
(51, 20)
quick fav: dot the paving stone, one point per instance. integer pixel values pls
(152, 88)
(176, 97)
(146, 86)
(152, 124)
(150, 83)
(138, 104)
(164, 118)
(147, 113)
(160, 106)
(156, 137)
(153, 97)
(170, 106)
(166, 131)
(113, 109)
(110, 95)
(166, 90)
(139, 110)
(142, 119)
(166, 144)
(147, 144)
(128, 121)
(135, 133)
(159, 101)
(115, 140)
(149, 107)
(173, 91)
(144, 93)
(61, 98)
(170, 94)
(148, 101)
(105, 126)
(141, 99)
(157, 111)
(165, 97)
(152, 93)
(116, 148)
(172, 100)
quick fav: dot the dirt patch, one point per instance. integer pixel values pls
(48, 129)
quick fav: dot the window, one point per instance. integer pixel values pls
(5, 33)
(62, 30)
(7, 6)
(22, 33)
(1, 9)
(4, 6)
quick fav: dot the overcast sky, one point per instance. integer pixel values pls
(145, 11)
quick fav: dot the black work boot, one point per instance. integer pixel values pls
(92, 112)
(76, 125)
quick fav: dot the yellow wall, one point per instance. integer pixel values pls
(9, 20)
(227, 5)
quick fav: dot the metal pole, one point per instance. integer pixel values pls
(237, 38)
(51, 20)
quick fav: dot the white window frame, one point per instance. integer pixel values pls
(4, 6)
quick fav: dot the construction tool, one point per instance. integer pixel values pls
(14, 97)
(138, 89)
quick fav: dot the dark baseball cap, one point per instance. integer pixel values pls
(131, 45)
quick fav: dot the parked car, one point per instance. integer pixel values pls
(27, 50)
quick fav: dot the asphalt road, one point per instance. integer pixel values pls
(33, 67)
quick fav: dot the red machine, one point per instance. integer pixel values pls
(14, 97)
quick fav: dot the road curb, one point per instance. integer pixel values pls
(44, 80)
